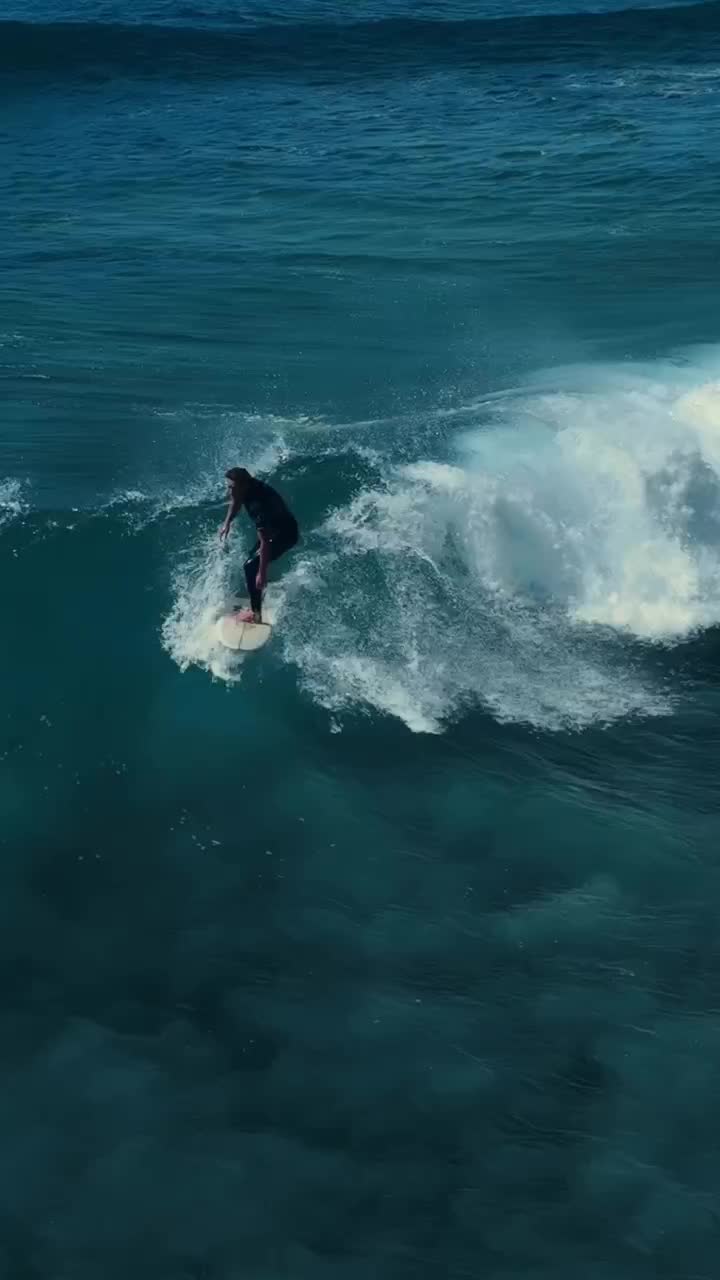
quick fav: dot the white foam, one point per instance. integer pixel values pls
(202, 592)
(12, 501)
(205, 587)
(487, 580)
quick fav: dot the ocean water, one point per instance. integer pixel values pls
(391, 951)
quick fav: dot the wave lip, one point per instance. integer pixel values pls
(388, 46)
(577, 526)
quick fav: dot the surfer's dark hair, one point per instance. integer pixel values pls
(237, 473)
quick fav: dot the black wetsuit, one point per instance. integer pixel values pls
(278, 526)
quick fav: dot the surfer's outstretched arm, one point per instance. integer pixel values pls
(233, 509)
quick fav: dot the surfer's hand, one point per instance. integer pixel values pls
(224, 531)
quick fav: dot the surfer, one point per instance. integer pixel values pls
(277, 532)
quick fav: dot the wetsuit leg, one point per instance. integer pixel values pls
(280, 542)
(251, 566)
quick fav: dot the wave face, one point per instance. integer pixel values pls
(570, 524)
(546, 556)
(385, 46)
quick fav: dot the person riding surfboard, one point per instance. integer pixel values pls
(277, 531)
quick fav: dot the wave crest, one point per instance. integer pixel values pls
(386, 46)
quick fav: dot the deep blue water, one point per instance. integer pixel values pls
(393, 951)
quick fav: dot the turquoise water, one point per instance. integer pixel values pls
(390, 951)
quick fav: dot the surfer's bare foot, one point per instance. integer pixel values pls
(244, 615)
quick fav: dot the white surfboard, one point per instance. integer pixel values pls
(244, 636)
